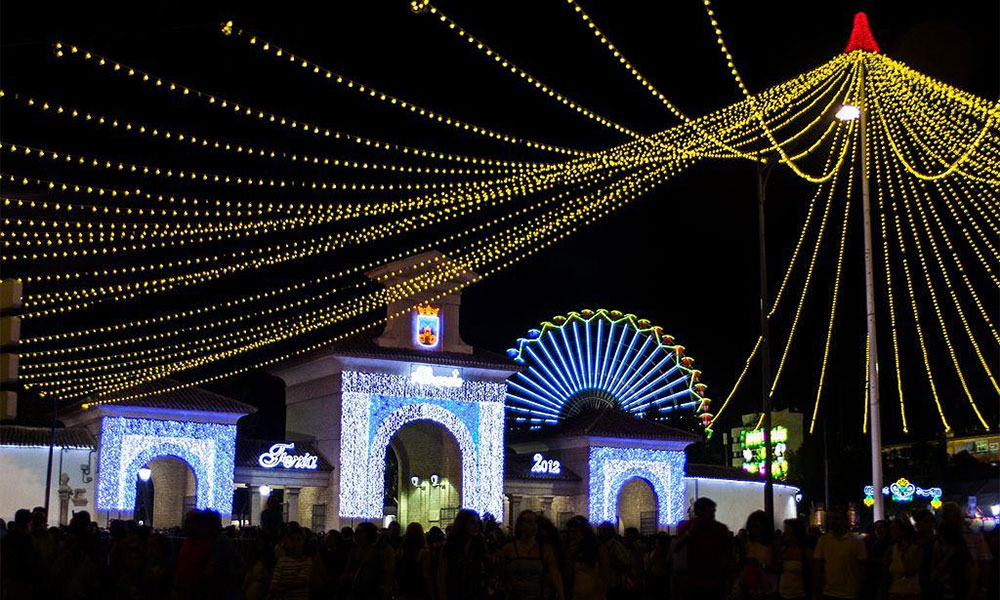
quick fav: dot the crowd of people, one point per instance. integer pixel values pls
(914, 557)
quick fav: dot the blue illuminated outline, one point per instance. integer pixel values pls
(626, 362)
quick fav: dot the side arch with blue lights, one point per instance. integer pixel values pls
(596, 358)
(127, 444)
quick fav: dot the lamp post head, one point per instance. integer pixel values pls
(145, 473)
(415, 480)
(264, 490)
(848, 112)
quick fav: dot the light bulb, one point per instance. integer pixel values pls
(145, 473)
(264, 490)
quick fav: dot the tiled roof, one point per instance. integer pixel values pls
(615, 423)
(19, 435)
(155, 395)
(247, 452)
(518, 466)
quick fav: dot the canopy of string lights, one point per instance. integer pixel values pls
(227, 264)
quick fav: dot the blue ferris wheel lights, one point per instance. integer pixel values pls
(573, 362)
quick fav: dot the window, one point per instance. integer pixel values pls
(319, 517)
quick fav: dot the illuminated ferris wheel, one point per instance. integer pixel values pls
(595, 359)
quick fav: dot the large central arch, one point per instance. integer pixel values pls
(375, 406)
(611, 468)
(424, 411)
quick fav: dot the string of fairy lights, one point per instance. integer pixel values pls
(153, 266)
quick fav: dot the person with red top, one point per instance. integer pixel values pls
(193, 557)
(705, 546)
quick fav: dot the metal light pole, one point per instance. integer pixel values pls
(763, 172)
(850, 113)
(876, 421)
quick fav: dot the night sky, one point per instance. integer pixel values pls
(685, 256)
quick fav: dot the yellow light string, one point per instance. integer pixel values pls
(627, 65)
(882, 155)
(836, 290)
(937, 309)
(808, 280)
(900, 178)
(86, 360)
(736, 386)
(932, 130)
(528, 251)
(886, 252)
(946, 172)
(243, 109)
(157, 132)
(775, 146)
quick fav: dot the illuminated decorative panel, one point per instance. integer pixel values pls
(602, 358)
(611, 468)
(427, 327)
(128, 444)
(903, 490)
(754, 451)
(375, 406)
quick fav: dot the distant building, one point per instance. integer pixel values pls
(787, 431)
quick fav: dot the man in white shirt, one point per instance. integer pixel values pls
(839, 560)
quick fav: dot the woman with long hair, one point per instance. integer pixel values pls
(462, 573)
(794, 560)
(758, 565)
(530, 569)
(409, 564)
(587, 568)
(903, 561)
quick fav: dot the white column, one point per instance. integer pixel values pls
(292, 497)
(255, 506)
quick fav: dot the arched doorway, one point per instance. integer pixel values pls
(163, 499)
(637, 506)
(429, 468)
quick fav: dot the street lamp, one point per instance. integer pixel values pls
(848, 112)
(264, 491)
(145, 473)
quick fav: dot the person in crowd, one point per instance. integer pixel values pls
(637, 552)
(903, 561)
(976, 545)
(758, 563)
(393, 535)
(923, 539)
(297, 573)
(271, 518)
(410, 557)
(621, 581)
(76, 573)
(19, 562)
(462, 573)
(705, 549)
(157, 570)
(657, 567)
(432, 561)
(878, 543)
(530, 570)
(794, 562)
(190, 579)
(839, 560)
(953, 569)
(223, 569)
(334, 554)
(587, 568)
(368, 574)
